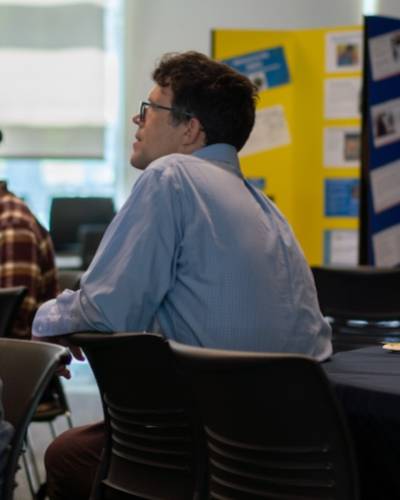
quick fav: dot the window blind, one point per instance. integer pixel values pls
(55, 78)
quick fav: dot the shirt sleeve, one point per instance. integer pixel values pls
(133, 268)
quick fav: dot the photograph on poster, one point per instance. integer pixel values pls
(270, 131)
(385, 55)
(265, 68)
(341, 246)
(395, 44)
(385, 184)
(386, 245)
(343, 51)
(341, 146)
(352, 147)
(342, 197)
(342, 98)
(386, 122)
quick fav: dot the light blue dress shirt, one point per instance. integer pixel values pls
(200, 255)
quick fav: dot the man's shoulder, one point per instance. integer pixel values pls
(168, 170)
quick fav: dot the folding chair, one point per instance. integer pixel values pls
(150, 449)
(25, 369)
(273, 425)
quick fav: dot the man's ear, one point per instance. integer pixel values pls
(194, 133)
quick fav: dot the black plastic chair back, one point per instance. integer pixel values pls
(25, 369)
(10, 300)
(274, 427)
(361, 302)
(364, 293)
(67, 215)
(150, 447)
(90, 236)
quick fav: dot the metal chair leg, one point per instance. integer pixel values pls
(28, 475)
(32, 459)
(69, 419)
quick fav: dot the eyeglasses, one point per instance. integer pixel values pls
(144, 105)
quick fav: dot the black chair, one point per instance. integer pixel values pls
(10, 300)
(362, 302)
(53, 403)
(90, 236)
(273, 425)
(67, 215)
(151, 434)
(25, 369)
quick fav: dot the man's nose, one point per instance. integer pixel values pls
(136, 119)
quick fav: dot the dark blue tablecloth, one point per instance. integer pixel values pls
(367, 382)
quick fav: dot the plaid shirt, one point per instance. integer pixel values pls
(26, 259)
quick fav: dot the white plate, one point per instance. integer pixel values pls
(392, 346)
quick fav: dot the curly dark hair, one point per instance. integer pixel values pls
(222, 99)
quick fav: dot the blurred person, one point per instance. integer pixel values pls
(26, 258)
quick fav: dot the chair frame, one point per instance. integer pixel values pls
(25, 368)
(150, 428)
(14, 297)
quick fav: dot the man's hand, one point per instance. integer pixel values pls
(76, 351)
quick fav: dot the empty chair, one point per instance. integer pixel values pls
(67, 215)
(273, 426)
(362, 302)
(25, 369)
(149, 450)
(10, 300)
(89, 239)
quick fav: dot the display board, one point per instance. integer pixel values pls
(381, 161)
(304, 151)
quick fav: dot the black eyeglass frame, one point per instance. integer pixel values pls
(147, 104)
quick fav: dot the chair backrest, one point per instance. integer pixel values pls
(363, 304)
(25, 369)
(90, 236)
(10, 300)
(68, 214)
(150, 432)
(273, 425)
(358, 293)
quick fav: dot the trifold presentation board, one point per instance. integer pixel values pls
(304, 151)
(381, 143)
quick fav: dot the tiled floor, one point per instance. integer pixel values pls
(85, 405)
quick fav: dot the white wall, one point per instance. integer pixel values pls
(390, 8)
(158, 26)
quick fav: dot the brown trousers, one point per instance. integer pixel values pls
(71, 462)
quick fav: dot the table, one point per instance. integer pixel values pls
(367, 382)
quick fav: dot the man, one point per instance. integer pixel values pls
(195, 253)
(26, 258)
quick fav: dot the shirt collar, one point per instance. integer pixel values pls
(223, 155)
